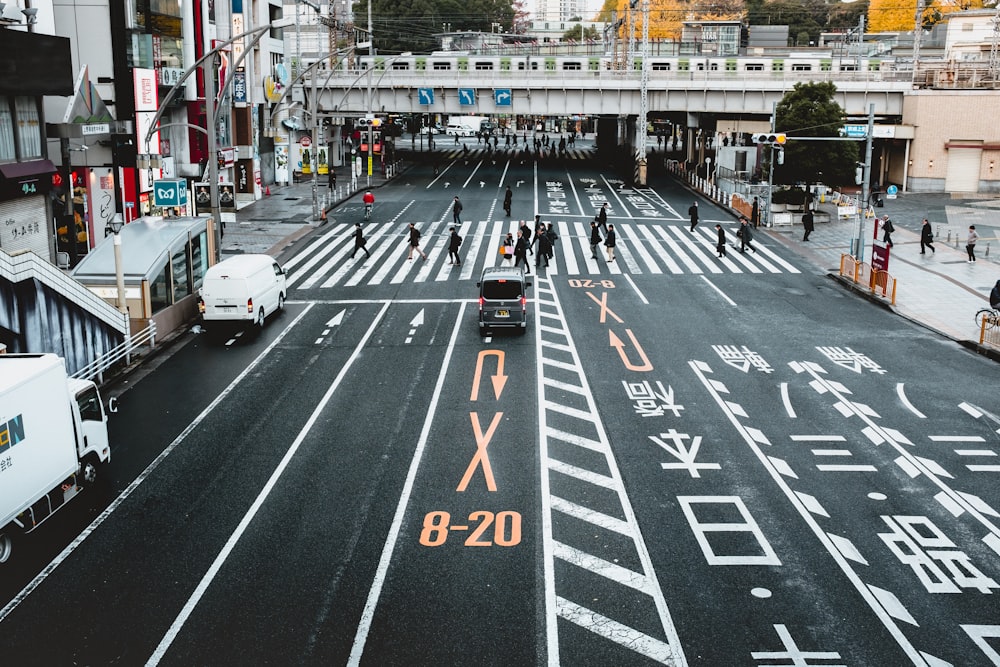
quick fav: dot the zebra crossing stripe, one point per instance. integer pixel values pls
(642, 248)
(631, 236)
(326, 244)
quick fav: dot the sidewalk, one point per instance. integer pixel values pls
(938, 290)
(273, 222)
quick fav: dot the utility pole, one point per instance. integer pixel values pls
(864, 184)
(770, 168)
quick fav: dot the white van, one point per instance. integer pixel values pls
(460, 130)
(242, 288)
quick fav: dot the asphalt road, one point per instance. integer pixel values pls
(676, 465)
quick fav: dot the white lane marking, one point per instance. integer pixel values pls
(721, 293)
(368, 615)
(786, 399)
(956, 438)
(608, 628)
(674, 653)
(621, 204)
(818, 438)
(220, 560)
(635, 287)
(702, 370)
(576, 195)
(85, 533)
(909, 406)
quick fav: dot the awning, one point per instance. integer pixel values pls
(18, 170)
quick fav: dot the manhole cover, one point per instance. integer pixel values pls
(292, 198)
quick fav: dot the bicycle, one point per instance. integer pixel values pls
(990, 317)
(368, 212)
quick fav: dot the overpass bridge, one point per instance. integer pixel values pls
(684, 88)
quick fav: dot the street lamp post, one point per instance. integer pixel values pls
(211, 108)
(115, 225)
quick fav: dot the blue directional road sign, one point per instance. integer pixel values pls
(501, 97)
(170, 192)
(855, 131)
(425, 95)
(466, 96)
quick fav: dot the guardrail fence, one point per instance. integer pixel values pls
(880, 283)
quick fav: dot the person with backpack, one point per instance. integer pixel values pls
(454, 242)
(415, 242)
(807, 224)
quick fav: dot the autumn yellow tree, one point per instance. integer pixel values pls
(899, 15)
(666, 16)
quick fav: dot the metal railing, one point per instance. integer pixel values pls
(989, 330)
(118, 356)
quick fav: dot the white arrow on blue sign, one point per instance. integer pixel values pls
(501, 97)
(425, 95)
(466, 96)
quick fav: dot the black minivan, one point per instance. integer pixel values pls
(503, 299)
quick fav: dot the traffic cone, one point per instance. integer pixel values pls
(322, 216)
(267, 191)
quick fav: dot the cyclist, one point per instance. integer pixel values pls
(369, 200)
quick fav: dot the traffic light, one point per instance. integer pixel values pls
(770, 138)
(370, 122)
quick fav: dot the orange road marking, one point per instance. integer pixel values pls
(481, 457)
(603, 303)
(499, 379)
(617, 342)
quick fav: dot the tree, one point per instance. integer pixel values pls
(411, 25)
(579, 33)
(809, 110)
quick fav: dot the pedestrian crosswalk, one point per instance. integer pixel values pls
(508, 153)
(644, 247)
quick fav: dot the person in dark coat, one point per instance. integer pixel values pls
(745, 234)
(526, 233)
(887, 229)
(755, 213)
(550, 233)
(521, 251)
(721, 245)
(609, 243)
(456, 211)
(454, 241)
(507, 196)
(414, 243)
(544, 246)
(595, 239)
(693, 212)
(359, 240)
(807, 224)
(926, 237)
(995, 297)
(602, 217)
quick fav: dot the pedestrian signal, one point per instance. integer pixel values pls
(770, 138)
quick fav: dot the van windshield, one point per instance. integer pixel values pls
(508, 289)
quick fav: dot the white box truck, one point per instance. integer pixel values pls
(242, 288)
(53, 438)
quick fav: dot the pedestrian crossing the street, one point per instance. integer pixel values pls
(480, 152)
(643, 247)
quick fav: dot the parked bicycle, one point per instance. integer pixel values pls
(988, 316)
